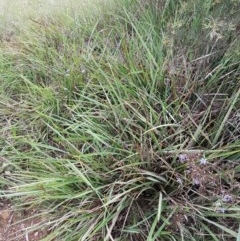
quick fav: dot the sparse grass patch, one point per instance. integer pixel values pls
(125, 125)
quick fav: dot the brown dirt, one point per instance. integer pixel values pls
(19, 225)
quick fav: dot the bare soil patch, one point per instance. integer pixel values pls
(19, 225)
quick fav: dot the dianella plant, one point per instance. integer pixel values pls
(122, 122)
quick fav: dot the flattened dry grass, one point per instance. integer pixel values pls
(125, 126)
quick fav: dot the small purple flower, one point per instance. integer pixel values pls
(182, 158)
(203, 161)
(227, 198)
(196, 181)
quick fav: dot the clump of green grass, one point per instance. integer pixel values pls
(126, 126)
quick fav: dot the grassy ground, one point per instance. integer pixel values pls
(124, 124)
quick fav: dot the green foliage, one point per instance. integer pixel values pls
(125, 125)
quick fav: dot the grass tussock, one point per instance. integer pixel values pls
(124, 124)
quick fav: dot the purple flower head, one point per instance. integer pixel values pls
(203, 161)
(182, 158)
(227, 198)
(196, 181)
